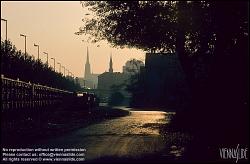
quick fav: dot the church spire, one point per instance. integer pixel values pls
(111, 64)
(87, 66)
(87, 61)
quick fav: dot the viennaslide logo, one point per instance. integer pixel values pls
(234, 153)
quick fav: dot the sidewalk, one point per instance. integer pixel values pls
(60, 122)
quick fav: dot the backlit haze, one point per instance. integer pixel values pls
(52, 25)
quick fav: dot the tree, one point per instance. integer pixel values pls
(156, 26)
(130, 24)
(136, 81)
(133, 66)
(15, 64)
(211, 40)
(116, 97)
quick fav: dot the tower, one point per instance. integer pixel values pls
(87, 67)
(110, 65)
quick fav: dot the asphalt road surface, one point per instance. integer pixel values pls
(132, 136)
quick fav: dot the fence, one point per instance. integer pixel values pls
(17, 95)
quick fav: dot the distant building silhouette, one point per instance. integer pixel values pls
(87, 72)
(165, 83)
(111, 65)
(89, 80)
(107, 81)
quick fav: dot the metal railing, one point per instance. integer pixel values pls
(17, 95)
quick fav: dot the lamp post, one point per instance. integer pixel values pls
(38, 49)
(63, 70)
(54, 64)
(59, 67)
(67, 71)
(47, 58)
(5, 20)
(24, 43)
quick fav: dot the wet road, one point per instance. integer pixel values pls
(131, 136)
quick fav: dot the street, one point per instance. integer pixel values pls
(131, 136)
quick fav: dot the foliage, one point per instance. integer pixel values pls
(211, 41)
(15, 64)
(189, 28)
(130, 24)
(136, 81)
(199, 32)
(133, 66)
(116, 97)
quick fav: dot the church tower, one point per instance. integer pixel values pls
(111, 65)
(87, 73)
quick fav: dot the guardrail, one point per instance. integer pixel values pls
(17, 95)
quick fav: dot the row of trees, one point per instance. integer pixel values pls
(211, 40)
(15, 64)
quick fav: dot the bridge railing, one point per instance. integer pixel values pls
(17, 95)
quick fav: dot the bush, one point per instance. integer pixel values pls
(15, 64)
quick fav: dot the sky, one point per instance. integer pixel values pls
(52, 25)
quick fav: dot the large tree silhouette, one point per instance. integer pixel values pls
(211, 40)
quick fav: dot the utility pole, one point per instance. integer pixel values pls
(24, 43)
(54, 64)
(47, 58)
(59, 67)
(38, 49)
(5, 20)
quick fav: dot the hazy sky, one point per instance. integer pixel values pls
(52, 26)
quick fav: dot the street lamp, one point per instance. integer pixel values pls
(24, 42)
(38, 49)
(59, 67)
(47, 58)
(54, 63)
(63, 70)
(67, 71)
(5, 20)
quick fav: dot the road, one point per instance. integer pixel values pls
(131, 136)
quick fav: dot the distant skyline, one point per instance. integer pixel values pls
(51, 25)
